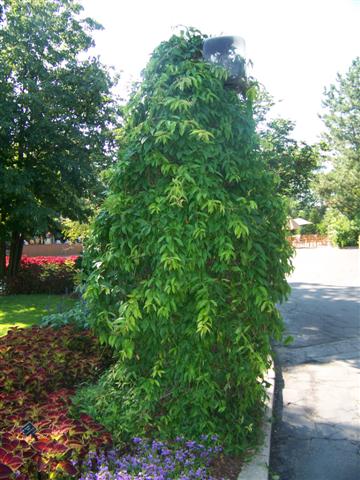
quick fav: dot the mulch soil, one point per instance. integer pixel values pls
(226, 466)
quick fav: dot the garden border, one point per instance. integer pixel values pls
(258, 467)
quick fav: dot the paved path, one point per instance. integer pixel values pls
(316, 434)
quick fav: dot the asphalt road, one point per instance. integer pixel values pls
(316, 430)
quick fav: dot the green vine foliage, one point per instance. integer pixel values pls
(187, 258)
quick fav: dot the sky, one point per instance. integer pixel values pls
(296, 46)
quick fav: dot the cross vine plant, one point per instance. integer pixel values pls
(187, 258)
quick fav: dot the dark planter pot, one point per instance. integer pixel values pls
(228, 51)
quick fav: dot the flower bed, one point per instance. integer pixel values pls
(35, 366)
(53, 275)
(41, 260)
(45, 260)
(58, 441)
(181, 460)
(38, 369)
(42, 360)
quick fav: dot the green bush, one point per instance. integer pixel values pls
(76, 316)
(115, 400)
(342, 231)
(188, 258)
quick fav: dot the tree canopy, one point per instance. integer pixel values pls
(56, 113)
(339, 187)
(294, 163)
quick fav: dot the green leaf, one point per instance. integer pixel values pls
(202, 135)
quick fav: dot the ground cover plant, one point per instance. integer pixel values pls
(26, 310)
(52, 275)
(180, 460)
(38, 369)
(187, 259)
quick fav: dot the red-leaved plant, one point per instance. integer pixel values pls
(52, 275)
(35, 366)
(41, 260)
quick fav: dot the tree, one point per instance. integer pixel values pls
(56, 114)
(340, 187)
(187, 258)
(74, 230)
(342, 115)
(294, 164)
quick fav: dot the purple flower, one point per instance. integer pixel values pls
(190, 444)
(155, 460)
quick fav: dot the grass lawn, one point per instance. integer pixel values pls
(26, 310)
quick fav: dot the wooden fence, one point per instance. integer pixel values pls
(54, 249)
(309, 241)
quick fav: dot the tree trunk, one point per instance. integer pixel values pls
(2, 257)
(19, 252)
(17, 239)
(16, 248)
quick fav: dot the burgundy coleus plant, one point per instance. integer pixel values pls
(58, 440)
(40, 360)
(37, 367)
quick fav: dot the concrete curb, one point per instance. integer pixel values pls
(258, 467)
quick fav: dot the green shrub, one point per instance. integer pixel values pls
(188, 258)
(342, 231)
(76, 316)
(113, 399)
